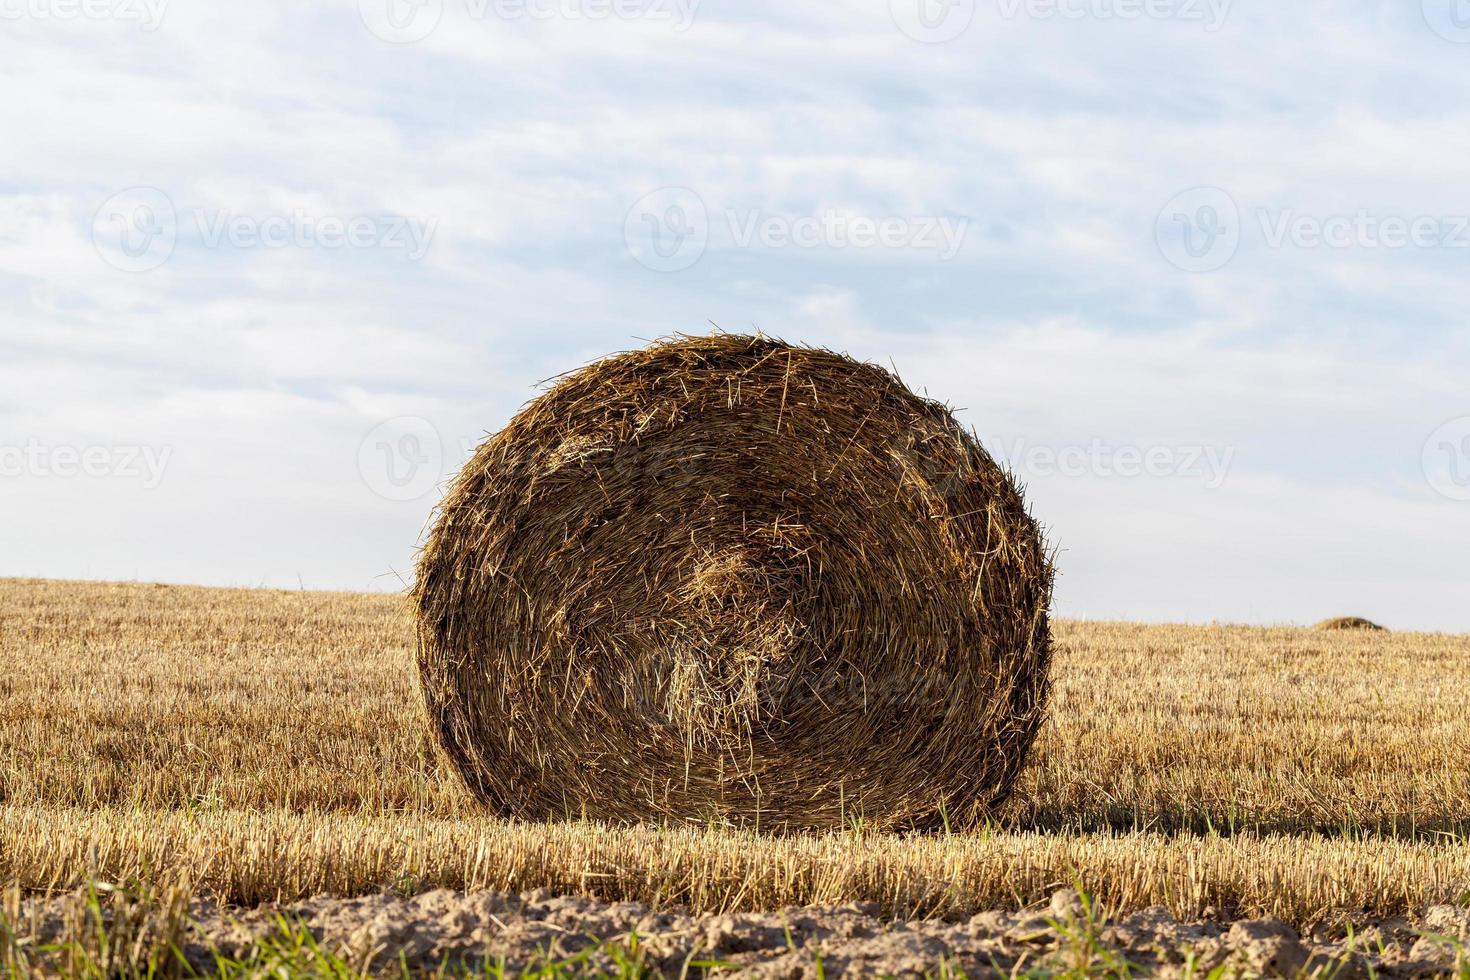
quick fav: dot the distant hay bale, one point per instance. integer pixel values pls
(1349, 623)
(727, 579)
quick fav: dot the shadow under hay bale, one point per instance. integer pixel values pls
(728, 579)
(1349, 623)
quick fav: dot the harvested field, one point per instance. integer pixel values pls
(266, 745)
(244, 856)
(179, 697)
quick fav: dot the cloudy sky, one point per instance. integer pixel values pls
(1196, 268)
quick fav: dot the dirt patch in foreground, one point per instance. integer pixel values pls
(465, 931)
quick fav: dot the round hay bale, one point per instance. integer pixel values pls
(728, 579)
(1349, 623)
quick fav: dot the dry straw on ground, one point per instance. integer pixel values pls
(267, 744)
(727, 579)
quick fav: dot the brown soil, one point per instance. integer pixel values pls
(439, 927)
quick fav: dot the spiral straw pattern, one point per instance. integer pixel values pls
(729, 579)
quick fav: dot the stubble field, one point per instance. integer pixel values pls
(266, 746)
